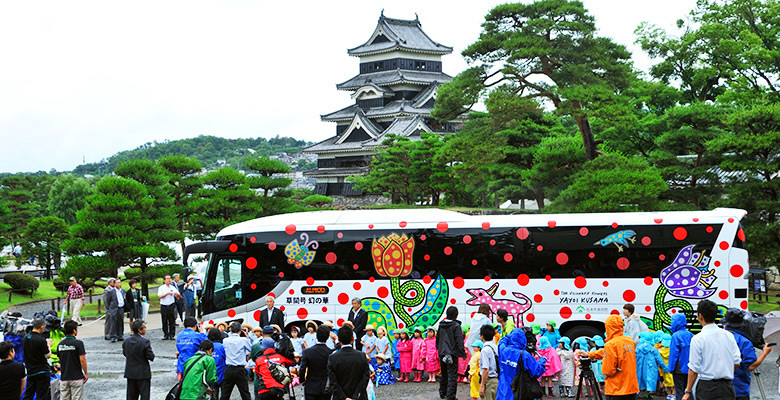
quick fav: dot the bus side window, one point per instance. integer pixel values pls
(227, 284)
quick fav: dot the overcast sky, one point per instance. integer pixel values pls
(91, 78)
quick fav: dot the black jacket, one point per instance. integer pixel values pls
(348, 373)
(449, 340)
(129, 300)
(359, 320)
(277, 318)
(138, 353)
(314, 369)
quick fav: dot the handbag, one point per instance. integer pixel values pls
(523, 386)
(175, 391)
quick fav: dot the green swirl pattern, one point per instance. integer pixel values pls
(662, 319)
(435, 301)
(401, 301)
(379, 314)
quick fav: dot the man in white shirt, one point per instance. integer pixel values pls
(118, 314)
(168, 294)
(108, 297)
(713, 358)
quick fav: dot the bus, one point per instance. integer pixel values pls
(408, 265)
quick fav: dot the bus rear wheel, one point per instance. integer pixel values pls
(582, 330)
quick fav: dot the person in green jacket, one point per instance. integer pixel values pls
(198, 381)
(502, 316)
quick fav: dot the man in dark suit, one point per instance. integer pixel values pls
(348, 370)
(108, 297)
(314, 367)
(276, 315)
(359, 319)
(138, 353)
(117, 310)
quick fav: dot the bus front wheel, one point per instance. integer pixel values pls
(582, 330)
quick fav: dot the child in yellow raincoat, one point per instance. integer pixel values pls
(474, 369)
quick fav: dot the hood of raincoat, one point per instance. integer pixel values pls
(566, 342)
(536, 328)
(582, 342)
(544, 343)
(666, 340)
(516, 338)
(657, 336)
(614, 327)
(646, 341)
(678, 322)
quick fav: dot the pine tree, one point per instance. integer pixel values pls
(225, 199)
(184, 182)
(43, 238)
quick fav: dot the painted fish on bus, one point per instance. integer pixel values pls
(392, 257)
(515, 308)
(298, 255)
(620, 239)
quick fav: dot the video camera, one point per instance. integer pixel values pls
(585, 363)
(748, 323)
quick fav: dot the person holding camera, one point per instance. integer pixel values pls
(188, 341)
(734, 321)
(36, 353)
(619, 365)
(449, 343)
(511, 350)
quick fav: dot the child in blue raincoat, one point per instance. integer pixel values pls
(598, 343)
(552, 334)
(648, 361)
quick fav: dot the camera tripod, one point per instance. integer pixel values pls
(589, 379)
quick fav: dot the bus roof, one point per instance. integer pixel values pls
(429, 218)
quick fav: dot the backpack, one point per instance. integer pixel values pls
(523, 386)
(530, 340)
(175, 392)
(278, 371)
(283, 346)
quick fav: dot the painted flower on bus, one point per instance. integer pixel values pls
(393, 255)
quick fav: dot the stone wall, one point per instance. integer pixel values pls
(352, 202)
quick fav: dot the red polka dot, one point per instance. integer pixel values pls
(290, 229)
(272, 246)
(340, 322)
(467, 239)
(680, 233)
(743, 304)
(580, 282)
(629, 296)
(486, 225)
(474, 262)
(539, 248)
(427, 279)
(487, 278)
(556, 292)
(358, 246)
(281, 274)
(452, 301)
(339, 235)
(253, 286)
(426, 257)
(708, 229)
(282, 308)
(330, 258)
(292, 291)
(648, 280)
(723, 245)
(423, 237)
(522, 233)
(370, 226)
(343, 298)
(442, 227)
(492, 242)
(231, 313)
(565, 312)
(551, 224)
(661, 257)
(741, 235)
(723, 294)
(309, 281)
(592, 255)
(256, 315)
(538, 298)
(371, 279)
(658, 220)
(355, 267)
(522, 279)
(503, 292)
(382, 292)
(401, 325)
(562, 258)
(695, 220)
(648, 308)
(547, 278)
(252, 239)
(324, 309)
(736, 271)
(458, 283)
(623, 263)
(321, 229)
(330, 284)
(583, 231)
(402, 224)
(530, 317)
(614, 225)
(646, 241)
(233, 247)
(356, 286)
(251, 263)
(409, 309)
(717, 263)
(614, 312)
(605, 283)
(448, 250)
(731, 220)
(587, 316)
(508, 257)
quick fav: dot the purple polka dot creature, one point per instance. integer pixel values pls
(689, 276)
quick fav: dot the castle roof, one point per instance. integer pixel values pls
(386, 78)
(399, 34)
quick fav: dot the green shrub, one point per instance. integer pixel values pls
(20, 281)
(83, 267)
(317, 200)
(101, 283)
(60, 283)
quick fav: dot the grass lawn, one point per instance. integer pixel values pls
(763, 307)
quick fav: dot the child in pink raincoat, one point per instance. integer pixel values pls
(404, 347)
(431, 355)
(552, 367)
(418, 354)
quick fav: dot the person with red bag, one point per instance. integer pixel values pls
(267, 386)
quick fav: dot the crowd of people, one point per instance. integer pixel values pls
(496, 359)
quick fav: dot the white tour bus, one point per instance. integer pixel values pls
(408, 266)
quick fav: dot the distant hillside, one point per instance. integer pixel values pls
(209, 150)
